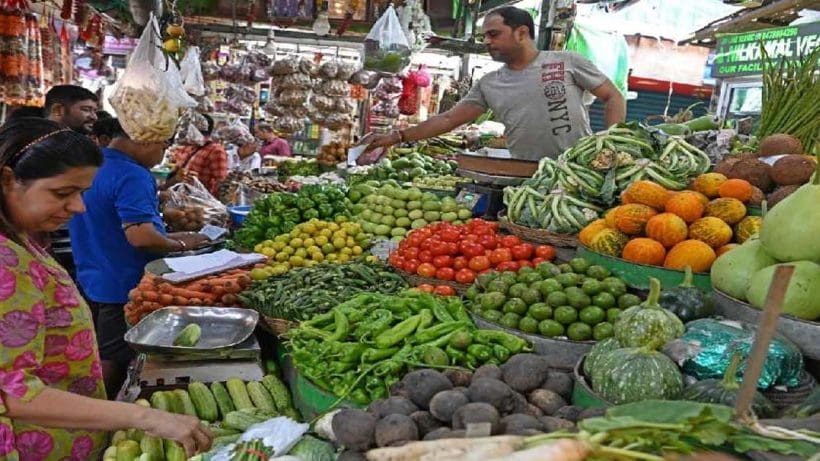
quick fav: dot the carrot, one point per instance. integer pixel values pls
(232, 287)
(229, 299)
(150, 295)
(195, 302)
(166, 299)
(180, 301)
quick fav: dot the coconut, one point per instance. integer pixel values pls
(757, 196)
(780, 144)
(792, 169)
(754, 171)
(779, 194)
(725, 165)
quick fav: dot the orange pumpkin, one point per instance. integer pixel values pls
(712, 231)
(693, 253)
(609, 218)
(736, 188)
(647, 193)
(708, 184)
(730, 210)
(725, 249)
(631, 218)
(686, 204)
(588, 233)
(667, 228)
(703, 199)
(644, 251)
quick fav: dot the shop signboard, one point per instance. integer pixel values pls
(739, 54)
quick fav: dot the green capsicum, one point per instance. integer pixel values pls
(351, 352)
(501, 353)
(456, 356)
(398, 333)
(480, 351)
(309, 214)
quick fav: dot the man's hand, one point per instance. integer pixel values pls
(192, 240)
(373, 141)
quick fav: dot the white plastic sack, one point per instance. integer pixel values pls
(190, 68)
(150, 93)
(386, 48)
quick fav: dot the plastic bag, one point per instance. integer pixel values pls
(385, 47)
(191, 71)
(235, 133)
(150, 93)
(191, 207)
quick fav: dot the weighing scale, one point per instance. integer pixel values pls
(152, 372)
(485, 197)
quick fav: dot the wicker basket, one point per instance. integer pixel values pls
(537, 235)
(276, 326)
(416, 280)
(792, 396)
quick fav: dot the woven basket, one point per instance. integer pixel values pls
(416, 280)
(792, 396)
(537, 235)
(276, 326)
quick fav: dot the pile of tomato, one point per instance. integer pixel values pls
(446, 251)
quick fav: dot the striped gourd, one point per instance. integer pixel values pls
(188, 407)
(635, 374)
(204, 401)
(223, 398)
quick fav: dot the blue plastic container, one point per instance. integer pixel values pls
(238, 214)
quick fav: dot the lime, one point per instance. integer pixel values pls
(525, 270)
(531, 296)
(577, 298)
(628, 300)
(539, 311)
(579, 265)
(550, 328)
(516, 306)
(579, 332)
(498, 286)
(528, 277)
(591, 287)
(548, 270)
(567, 280)
(603, 300)
(565, 314)
(517, 290)
(493, 300)
(603, 331)
(484, 279)
(510, 320)
(556, 298)
(491, 315)
(598, 272)
(592, 315)
(471, 293)
(508, 277)
(565, 268)
(528, 325)
(545, 287)
(612, 315)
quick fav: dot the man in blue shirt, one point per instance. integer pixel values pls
(120, 232)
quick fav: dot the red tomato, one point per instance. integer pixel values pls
(443, 261)
(470, 238)
(522, 251)
(452, 248)
(444, 290)
(524, 262)
(500, 255)
(471, 250)
(507, 266)
(460, 262)
(537, 261)
(489, 242)
(426, 270)
(414, 240)
(483, 230)
(425, 256)
(545, 251)
(439, 248)
(395, 260)
(426, 244)
(411, 265)
(411, 253)
(465, 276)
(445, 273)
(425, 287)
(450, 235)
(479, 263)
(509, 241)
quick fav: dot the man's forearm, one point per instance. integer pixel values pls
(433, 126)
(615, 110)
(145, 237)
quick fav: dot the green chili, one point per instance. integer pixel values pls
(513, 343)
(398, 333)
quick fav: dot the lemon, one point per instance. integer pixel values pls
(295, 233)
(346, 251)
(343, 258)
(341, 218)
(258, 248)
(285, 238)
(308, 242)
(339, 243)
(332, 257)
(309, 228)
(258, 274)
(301, 252)
(279, 269)
(296, 243)
(371, 259)
(304, 236)
(321, 225)
(296, 261)
(278, 246)
(269, 252)
(333, 226)
(350, 242)
(357, 250)
(339, 235)
(288, 250)
(318, 257)
(321, 240)
(313, 249)
(326, 233)
(328, 248)
(281, 257)
(311, 263)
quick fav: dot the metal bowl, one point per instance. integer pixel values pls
(222, 327)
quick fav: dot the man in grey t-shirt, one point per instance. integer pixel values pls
(537, 95)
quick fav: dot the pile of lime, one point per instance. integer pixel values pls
(574, 300)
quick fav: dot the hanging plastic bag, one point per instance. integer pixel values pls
(190, 69)
(385, 47)
(150, 93)
(190, 207)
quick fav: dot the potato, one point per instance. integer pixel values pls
(493, 392)
(477, 412)
(350, 455)
(440, 433)
(354, 429)
(559, 382)
(569, 412)
(459, 377)
(548, 401)
(444, 404)
(395, 430)
(524, 372)
(591, 413)
(517, 424)
(532, 410)
(425, 422)
(552, 424)
(487, 371)
(397, 406)
(422, 385)
(520, 404)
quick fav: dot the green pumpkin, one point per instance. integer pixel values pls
(724, 391)
(634, 374)
(686, 301)
(599, 349)
(648, 323)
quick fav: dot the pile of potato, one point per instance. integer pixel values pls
(333, 153)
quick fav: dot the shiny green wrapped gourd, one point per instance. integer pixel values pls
(648, 322)
(725, 391)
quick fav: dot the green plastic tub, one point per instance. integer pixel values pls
(637, 275)
(582, 394)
